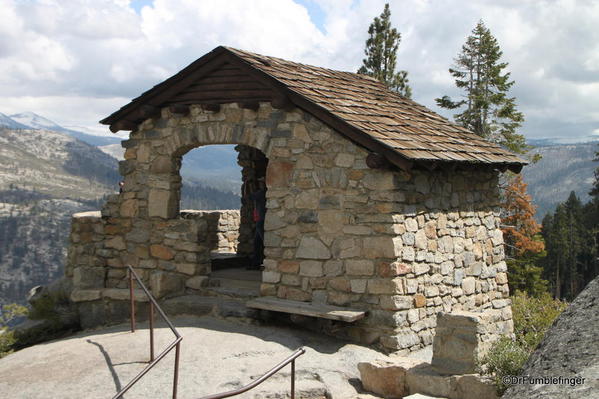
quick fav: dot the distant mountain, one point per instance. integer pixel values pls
(55, 164)
(34, 121)
(92, 139)
(551, 141)
(211, 166)
(563, 168)
(45, 177)
(214, 166)
(114, 150)
(8, 122)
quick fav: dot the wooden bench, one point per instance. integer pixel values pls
(306, 309)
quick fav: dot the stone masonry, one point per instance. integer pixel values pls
(222, 228)
(404, 246)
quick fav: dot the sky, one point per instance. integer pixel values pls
(77, 61)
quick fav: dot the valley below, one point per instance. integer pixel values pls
(45, 177)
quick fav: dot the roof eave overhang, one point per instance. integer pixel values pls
(130, 115)
(133, 112)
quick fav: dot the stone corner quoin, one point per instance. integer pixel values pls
(403, 246)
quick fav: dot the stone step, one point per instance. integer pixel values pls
(237, 274)
(233, 288)
(223, 255)
(227, 260)
(197, 305)
(233, 283)
(118, 294)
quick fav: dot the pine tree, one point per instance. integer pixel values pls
(571, 238)
(381, 55)
(595, 190)
(488, 112)
(590, 260)
(524, 245)
(575, 237)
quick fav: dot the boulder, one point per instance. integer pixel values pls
(569, 350)
(455, 347)
(424, 379)
(386, 378)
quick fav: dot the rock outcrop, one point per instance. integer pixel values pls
(567, 360)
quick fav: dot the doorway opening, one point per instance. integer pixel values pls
(226, 184)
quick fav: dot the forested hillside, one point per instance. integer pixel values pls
(563, 168)
(33, 236)
(45, 177)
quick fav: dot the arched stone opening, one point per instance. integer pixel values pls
(159, 147)
(231, 232)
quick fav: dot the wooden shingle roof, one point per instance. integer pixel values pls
(357, 106)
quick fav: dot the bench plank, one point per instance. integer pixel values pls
(306, 309)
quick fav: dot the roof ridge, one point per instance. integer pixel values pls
(283, 60)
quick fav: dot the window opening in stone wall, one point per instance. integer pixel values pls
(227, 183)
(211, 178)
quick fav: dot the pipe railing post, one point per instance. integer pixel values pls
(154, 307)
(151, 331)
(176, 377)
(293, 379)
(132, 297)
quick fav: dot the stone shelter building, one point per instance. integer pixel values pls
(375, 204)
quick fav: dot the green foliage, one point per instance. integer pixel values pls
(532, 318)
(525, 275)
(7, 338)
(47, 306)
(489, 111)
(381, 55)
(10, 312)
(505, 358)
(570, 235)
(595, 190)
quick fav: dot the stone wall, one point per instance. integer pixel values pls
(253, 163)
(171, 254)
(462, 339)
(222, 228)
(403, 246)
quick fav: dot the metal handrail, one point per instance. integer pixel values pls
(267, 375)
(175, 344)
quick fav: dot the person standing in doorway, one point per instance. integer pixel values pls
(258, 198)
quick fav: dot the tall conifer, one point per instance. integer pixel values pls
(595, 190)
(486, 108)
(381, 55)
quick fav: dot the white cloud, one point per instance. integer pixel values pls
(58, 58)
